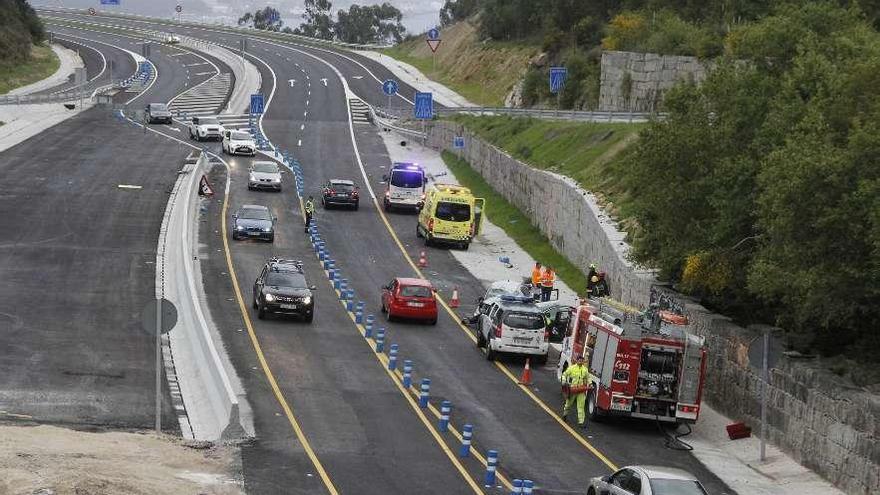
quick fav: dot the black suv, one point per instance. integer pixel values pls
(281, 288)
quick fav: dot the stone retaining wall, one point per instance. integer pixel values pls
(823, 422)
(637, 81)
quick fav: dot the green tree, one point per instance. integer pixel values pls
(369, 24)
(267, 19)
(457, 10)
(318, 20)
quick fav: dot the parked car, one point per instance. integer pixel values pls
(238, 143)
(203, 128)
(281, 289)
(513, 324)
(171, 39)
(340, 192)
(157, 112)
(409, 298)
(264, 175)
(253, 222)
(647, 480)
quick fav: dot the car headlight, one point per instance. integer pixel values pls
(252, 178)
(307, 300)
(267, 229)
(270, 298)
(239, 227)
(276, 179)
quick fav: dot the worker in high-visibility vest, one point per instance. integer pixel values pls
(548, 278)
(310, 210)
(536, 275)
(577, 378)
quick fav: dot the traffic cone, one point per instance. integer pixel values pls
(423, 260)
(453, 303)
(526, 378)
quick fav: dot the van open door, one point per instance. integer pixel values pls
(479, 206)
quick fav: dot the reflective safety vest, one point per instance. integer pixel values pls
(310, 207)
(547, 278)
(536, 276)
(577, 375)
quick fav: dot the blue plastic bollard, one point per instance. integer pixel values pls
(528, 485)
(331, 273)
(392, 357)
(368, 326)
(380, 340)
(359, 316)
(407, 373)
(349, 304)
(517, 487)
(337, 282)
(467, 432)
(359, 306)
(491, 466)
(329, 262)
(445, 410)
(321, 254)
(344, 285)
(424, 392)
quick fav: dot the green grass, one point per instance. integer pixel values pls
(506, 216)
(588, 153)
(43, 63)
(484, 95)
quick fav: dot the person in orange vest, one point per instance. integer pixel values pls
(536, 274)
(548, 278)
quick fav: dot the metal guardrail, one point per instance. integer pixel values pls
(545, 113)
(63, 96)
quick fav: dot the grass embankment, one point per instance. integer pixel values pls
(585, 152)
(482, 72)
(43, 63)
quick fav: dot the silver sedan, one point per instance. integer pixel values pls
(647, 480)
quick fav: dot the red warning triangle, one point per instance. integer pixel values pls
(205, 188)
(433, 44)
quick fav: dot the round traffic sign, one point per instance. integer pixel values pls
(169, 317)
(179, 8)
(92, 11)
(389, 87)
(433, 34)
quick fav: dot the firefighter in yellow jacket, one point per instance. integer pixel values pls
(577, 378)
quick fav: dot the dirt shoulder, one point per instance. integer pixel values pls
(51, 460)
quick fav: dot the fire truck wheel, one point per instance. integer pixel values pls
(592, 408)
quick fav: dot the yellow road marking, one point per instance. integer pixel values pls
(504, 369)
(328, 483)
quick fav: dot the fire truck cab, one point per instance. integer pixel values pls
(643, 364)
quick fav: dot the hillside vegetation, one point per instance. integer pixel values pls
(21, 62)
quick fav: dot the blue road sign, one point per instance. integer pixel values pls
(389, 87)
(434, 34)
(257, 104)
(424, 106)
(109, 2)
(458, 142)
(273, 16)
(557, 78)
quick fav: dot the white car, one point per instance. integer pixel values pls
(238, 143)
(513, 324)
(264, 175)
(171, 39)
(203, 128)
(647, 480)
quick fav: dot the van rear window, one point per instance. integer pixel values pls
(526, 321)
(407, 178)
(453, 212)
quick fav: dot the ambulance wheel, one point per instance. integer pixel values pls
(593, 411)
(418, 231)
(465, 246)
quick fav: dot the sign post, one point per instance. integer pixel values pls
(389, 87)
(433, 40)
(178, 9)
(159, 317)
(557, 82)
(763, 354)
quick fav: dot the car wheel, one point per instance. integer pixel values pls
(254, 304)
(356, 206)
(271, 239)
(387, 205)
(591, 491)
(261, 313)
(481, 341)
(310, 317)
(324, 204)
(490, 354)
(432, 321)
(383, 310)
(388, 315)
(593, 411)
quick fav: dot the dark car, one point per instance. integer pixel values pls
(340, 192)
(282, 289)
(157, 112)
(253, 222)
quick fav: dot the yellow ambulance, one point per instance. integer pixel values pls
(451, 215)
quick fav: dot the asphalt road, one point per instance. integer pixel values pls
(333, 386)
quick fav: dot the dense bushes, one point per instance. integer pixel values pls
(761, 191)
(19, 29)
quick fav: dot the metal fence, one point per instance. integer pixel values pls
(63, 96)
(546, 113)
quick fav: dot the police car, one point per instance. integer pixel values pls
(513, 324)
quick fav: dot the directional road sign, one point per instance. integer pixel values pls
(458, 142)
(433, 39)
(92, 11)
(257, 104)
(109, 2)
(424, 106)
(178, 9)
(389, 87)
(149, 320)
(557, 78)
(273, 16)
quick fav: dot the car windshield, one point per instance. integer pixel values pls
(676, 487)
(286, 279)
(336, 186)
(157, 107)
(208, 121)
(265, 168)
(407, 178)
(453, 212)
(254, 214)
(415, 291)
(240, 136)
(528, 321)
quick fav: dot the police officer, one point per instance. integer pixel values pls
(310, 210)
(576, 377)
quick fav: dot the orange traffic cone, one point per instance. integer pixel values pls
(526, 378)
(423, 260)
(453, 303)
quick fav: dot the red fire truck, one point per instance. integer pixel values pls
(643, 364)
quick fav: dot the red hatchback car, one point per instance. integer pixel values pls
(409, 298)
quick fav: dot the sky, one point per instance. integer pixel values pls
(418, 15)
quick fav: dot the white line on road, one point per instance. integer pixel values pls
(128, 186)
(302, 126)
(299, 142)
(307, 102)
(203, 73)
(291, 81)
(306, 113)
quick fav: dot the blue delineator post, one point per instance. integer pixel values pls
(407, 373)
(392, 357)
(445, 410)
(528, 485)
(380, 340)
(424, 392)
(467, 432)
(368, 327)
(517, 487)
(491, 466)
